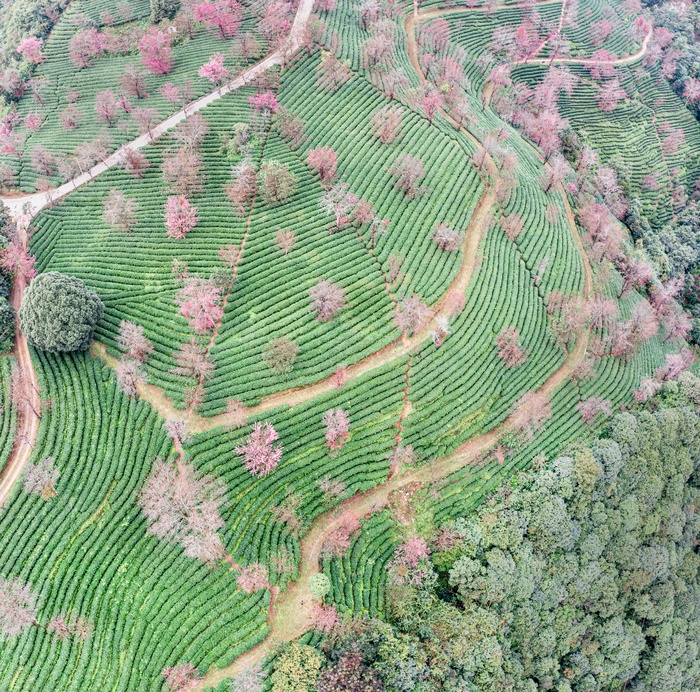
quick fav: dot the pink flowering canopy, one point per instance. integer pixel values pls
(260, 455)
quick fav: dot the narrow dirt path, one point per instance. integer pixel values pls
(292, 613)
(478, 226)
(27, 420)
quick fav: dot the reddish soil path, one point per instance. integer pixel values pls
(290, 615)
(27, 421)
(293, 609)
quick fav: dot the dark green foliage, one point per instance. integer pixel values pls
(591, 565)
(59, 313)
(7, 325)
(164, 9)
(581, 577)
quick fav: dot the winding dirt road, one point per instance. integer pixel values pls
(292, 609)
(27, 420)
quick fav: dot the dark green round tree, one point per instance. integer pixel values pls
(59, 313)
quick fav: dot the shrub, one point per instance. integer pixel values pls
(280, 354)
(297, 669)
(276, 182)
(59, 313)
(319, 585)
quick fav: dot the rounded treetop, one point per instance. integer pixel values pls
(59, 313)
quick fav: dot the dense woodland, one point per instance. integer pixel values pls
(349, 345)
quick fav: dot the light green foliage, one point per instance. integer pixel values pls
(59, 313)
(297, 669)
(319, 585)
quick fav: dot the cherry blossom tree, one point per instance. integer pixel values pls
(339, 202)
(408, 172)
(592, 407)
(327, 300)
(171, 93)
(183, 171)
(30, 48)
(221, 17)
(290, 126)
(675, 364)
(602, 65)
(43, 160)
(691, 90)
(331, 73)
(214, 70)
(183, 677)
(386, 123)
(192, 361)
(339, 540)
(395, 81)
(40, 479)
(325, 618)
(119, 211)
(133, 82)
(447, 238)
(337, 422)
(412, 315)
(180, 216)
(155, 47)
(200, 303)
(509, 349)
(600, 30)
(677, 324)
(277, 183)
(260, 455)
(636, 274)
(183, 506)
(400, 457)
(145, 119)
(280, 354)
(85, 46)
(663, 295)
(70, 117)
(512, 226)
(531, 411)
(332, 489)
(33, 121)
(264, 101)
(130, 375)
(430, 103)
(600, 310)
(243, 188)
(18, 606)
(363, 213)
(253, 578)
(250, 679)
(133, 341)
(609, 96)
(324, 161)
(106, 106)
(405, 567)
(285, 240)
(134, 162)
(16, 259)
